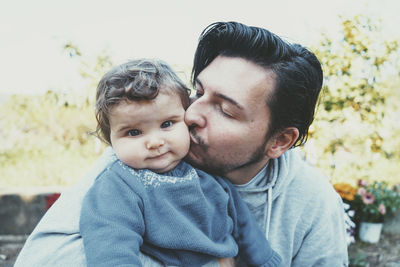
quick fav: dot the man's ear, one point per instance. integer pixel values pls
(281, 142)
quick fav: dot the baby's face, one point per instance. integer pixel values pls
(150, 134)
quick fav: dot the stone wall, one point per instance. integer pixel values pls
(392, 225)
(21, 210)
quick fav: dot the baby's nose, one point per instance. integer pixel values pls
(154, 143)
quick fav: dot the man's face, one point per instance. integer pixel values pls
(229, 118)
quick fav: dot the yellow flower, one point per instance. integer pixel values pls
(345, 190)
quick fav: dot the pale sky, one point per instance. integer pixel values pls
(33, 32)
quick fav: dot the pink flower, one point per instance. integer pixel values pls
(382, 209)
(368, 198)
(362, 183)
(361, 191)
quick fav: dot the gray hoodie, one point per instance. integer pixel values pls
(299, 210)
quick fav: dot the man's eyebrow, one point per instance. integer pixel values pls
(230, 100)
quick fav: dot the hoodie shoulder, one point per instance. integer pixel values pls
(312, 182)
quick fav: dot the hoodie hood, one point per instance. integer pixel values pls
(276, 175)
(282, 171)
(268, 184)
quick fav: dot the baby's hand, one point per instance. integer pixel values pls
(226, 262)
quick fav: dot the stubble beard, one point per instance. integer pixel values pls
(221, 166)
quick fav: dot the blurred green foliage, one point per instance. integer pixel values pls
(46, 138)
(356, 134)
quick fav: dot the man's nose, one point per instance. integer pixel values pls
(154, 142)
(194, 115)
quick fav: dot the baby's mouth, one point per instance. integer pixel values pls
(159, 155)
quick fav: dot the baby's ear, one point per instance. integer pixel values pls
(281, 142)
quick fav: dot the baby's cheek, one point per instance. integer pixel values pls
(184, 141)
(128, 156)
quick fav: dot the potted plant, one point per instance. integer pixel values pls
(370, 204)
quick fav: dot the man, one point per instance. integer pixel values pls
(255, 100)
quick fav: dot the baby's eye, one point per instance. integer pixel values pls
(166, 124)
(134, 132)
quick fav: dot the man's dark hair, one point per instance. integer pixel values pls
(298, 73)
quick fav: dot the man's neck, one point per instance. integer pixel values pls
(244, 174)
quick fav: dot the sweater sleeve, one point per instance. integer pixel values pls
(254, 248)
(111, 223)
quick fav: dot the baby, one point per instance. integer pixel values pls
(148, 199)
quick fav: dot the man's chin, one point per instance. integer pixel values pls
(196, 162)
(192, 159)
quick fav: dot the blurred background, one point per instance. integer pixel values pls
(53, 53)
